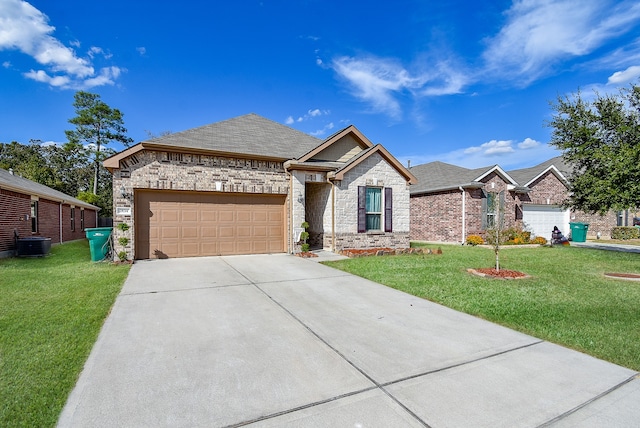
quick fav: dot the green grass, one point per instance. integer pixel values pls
(51, 311)
(567, 301)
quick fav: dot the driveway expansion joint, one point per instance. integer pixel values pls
(588, 402)
(177, 290)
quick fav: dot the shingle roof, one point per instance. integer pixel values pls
(28, 187)
(435, 176)
(249, 135)
(438, 175)
(524, 176)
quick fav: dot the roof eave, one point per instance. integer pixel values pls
(293, 164)
(467, 186)
(70, 201)
(112, 163)
(409, 177)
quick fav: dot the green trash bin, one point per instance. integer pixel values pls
(98, 242)
(579, 231)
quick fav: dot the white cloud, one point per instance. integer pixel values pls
(107, 76)
(308, 115)
(323, 131)
(95, 50)
(26, 29)
(42, 77)
(380, 81)
(492, 148)
(528, 143)
(539, 33)
(625, 76)
(6, 64)
(142, 50)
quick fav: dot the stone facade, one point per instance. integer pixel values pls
(374, 171)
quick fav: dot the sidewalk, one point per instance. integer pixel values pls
(606, 246)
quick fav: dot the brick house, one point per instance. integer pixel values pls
(245, 186)
(28, 209)
(450, 203)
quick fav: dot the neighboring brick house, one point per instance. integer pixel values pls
(245, 186)
(450, 202)
(28, 209)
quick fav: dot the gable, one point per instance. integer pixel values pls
(340, 151)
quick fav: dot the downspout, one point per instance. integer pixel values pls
(464, 215)
(333, 217)
(61, 221)
(291, 213)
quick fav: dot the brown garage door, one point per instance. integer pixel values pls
(189, 224)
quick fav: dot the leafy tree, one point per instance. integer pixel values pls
(72, 165)
(601, 139)
(28, 161)
(96, 124)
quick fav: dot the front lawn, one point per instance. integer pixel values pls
(567, 300)
(51, 311)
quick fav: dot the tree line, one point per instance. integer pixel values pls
(74, 167)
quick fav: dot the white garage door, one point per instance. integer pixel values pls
(540, 219)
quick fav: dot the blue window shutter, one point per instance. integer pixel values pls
(388, 209)
(362, 209)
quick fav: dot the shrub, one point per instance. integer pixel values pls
(518, 236)
(123, 240)
(540, 240)
(475, 240)
(625, 232)
(122, 255)
(123, 227)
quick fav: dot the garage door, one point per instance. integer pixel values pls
(190, 224)
(540, 219)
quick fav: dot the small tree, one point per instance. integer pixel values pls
(496, 233)
(304, 235)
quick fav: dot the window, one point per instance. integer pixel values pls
(374, 208)
(82, 220)
(370, 209)
(492, 205)
(491, 210)
(34, 216)
(73, 219)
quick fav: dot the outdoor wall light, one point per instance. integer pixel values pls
(124, 194)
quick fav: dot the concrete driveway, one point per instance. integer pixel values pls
(277, 340)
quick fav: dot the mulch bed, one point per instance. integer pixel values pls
(498, 274)
(306, 255)
(626, 276)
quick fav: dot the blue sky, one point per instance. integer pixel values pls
(464, 82)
